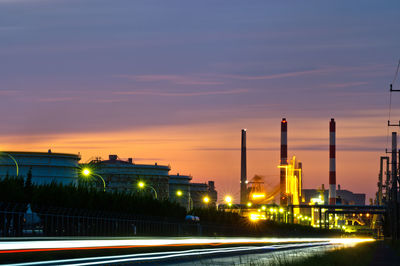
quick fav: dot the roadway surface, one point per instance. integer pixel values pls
(163, 250)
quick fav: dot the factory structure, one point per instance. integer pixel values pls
(290, 174)
(291, 190)
(297, 204)
(115, 174)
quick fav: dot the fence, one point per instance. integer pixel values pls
(42, 224)
(19, 220)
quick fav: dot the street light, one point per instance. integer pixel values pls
(228, 199)
(87, 172)
(12, 158)
(206, 199)
(179, 194)
(143, 185)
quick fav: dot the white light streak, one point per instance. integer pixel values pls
(98, 243)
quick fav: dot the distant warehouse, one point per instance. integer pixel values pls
(46, 167)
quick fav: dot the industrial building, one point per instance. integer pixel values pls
(124, 175)
(46, 167)
(118, 175)
(343, 196)
(179, 190)
(200, 191)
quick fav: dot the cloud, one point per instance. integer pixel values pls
(182, 94)
(338, 148)
(56, 99)
(362, 143)
(311, 147)
(8, 92)
(231, 149)
(277, 76)
(176, 79)
(345, 85)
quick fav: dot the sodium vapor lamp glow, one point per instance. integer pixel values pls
(257, 196)
(86, 171)
(228, 199)
(179, 193)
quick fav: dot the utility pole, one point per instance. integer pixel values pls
(394, 188)
(393, 205)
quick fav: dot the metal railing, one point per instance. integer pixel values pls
(19, 219)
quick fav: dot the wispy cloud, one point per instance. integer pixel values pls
(356, 143)
(346, 84)
(182, 94)
(277, 76)
(56, 99)
(176, 79)
(231, 149)
(7, 92)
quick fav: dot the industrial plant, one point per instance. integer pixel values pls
(290, 202)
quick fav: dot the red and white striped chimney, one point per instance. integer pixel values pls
(283, 196)
(332, 162)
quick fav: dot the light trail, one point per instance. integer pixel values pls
(146, 257)
(57, 245)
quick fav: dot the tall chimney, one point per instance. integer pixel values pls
(243, 170)
(332, 162)
(283, 195)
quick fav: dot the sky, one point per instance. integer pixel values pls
(174, 82)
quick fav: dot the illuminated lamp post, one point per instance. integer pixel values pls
(179, 194)
(87, 172)
(206, 200)
(281, 212)
(143, 185)
(12, 158)
(228, 200)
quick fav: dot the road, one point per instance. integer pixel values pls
(163, 250)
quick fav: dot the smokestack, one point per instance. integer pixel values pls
(243, 170)
(283, 196)
(332, 162)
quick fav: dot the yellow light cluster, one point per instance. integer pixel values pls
(254, 216)
(293, 181)
(257, 196)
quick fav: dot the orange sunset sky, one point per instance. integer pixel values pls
(174, 82)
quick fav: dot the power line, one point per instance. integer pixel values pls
(397, 72)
